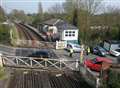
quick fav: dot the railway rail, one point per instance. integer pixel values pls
(45, 79)
(27, 33)
(31, 38)
(39, 35)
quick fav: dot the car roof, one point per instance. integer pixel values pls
(42, 51)
(104, 59)
(73, 44)
(50, 52)
(117, 49)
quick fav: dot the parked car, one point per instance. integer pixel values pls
(75, 47)
(115, 52)
(96, 63)
(100, 51)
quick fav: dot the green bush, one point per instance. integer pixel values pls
(14, 35)
(114, 79)
(2, 73)
(4, 33)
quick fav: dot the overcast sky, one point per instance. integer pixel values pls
(31, 6)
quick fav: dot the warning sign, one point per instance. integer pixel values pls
(61, 44)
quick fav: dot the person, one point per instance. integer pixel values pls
(82, 54)
(98, 82)
(71, 52)
(88, 51)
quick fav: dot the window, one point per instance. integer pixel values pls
(70, 33)
(119, 45)
(66, 34)
(73, 34)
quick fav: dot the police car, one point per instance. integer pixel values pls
(75, 47)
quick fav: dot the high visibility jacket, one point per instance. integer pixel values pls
(71, 50)
(88, 49)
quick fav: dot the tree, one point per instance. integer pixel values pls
(75, 13)
(56, 9)
(40, 12)
(40, 9)
(87, 9)
(69, 9)
(39, 17)
(2, 14)
(79, 13)
(111, 18)
(18, 15)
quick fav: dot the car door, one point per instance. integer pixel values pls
(69, 47)
(97, 66)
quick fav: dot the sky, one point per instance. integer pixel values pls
(31, 6)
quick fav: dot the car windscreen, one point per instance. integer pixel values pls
(118, 50)
(101, 49)
(77, 46)
(95, 61)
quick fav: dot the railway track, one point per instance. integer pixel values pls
(45, 79)
(39, 35)
(28, 38)
(27, 33)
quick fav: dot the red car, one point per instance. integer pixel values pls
(96, 64)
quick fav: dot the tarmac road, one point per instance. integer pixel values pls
(76, 56)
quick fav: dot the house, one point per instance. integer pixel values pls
(60, 29)
(111, 45)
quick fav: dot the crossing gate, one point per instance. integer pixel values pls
(38, 63)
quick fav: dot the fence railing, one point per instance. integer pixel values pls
(60, 64)
(44, 63)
